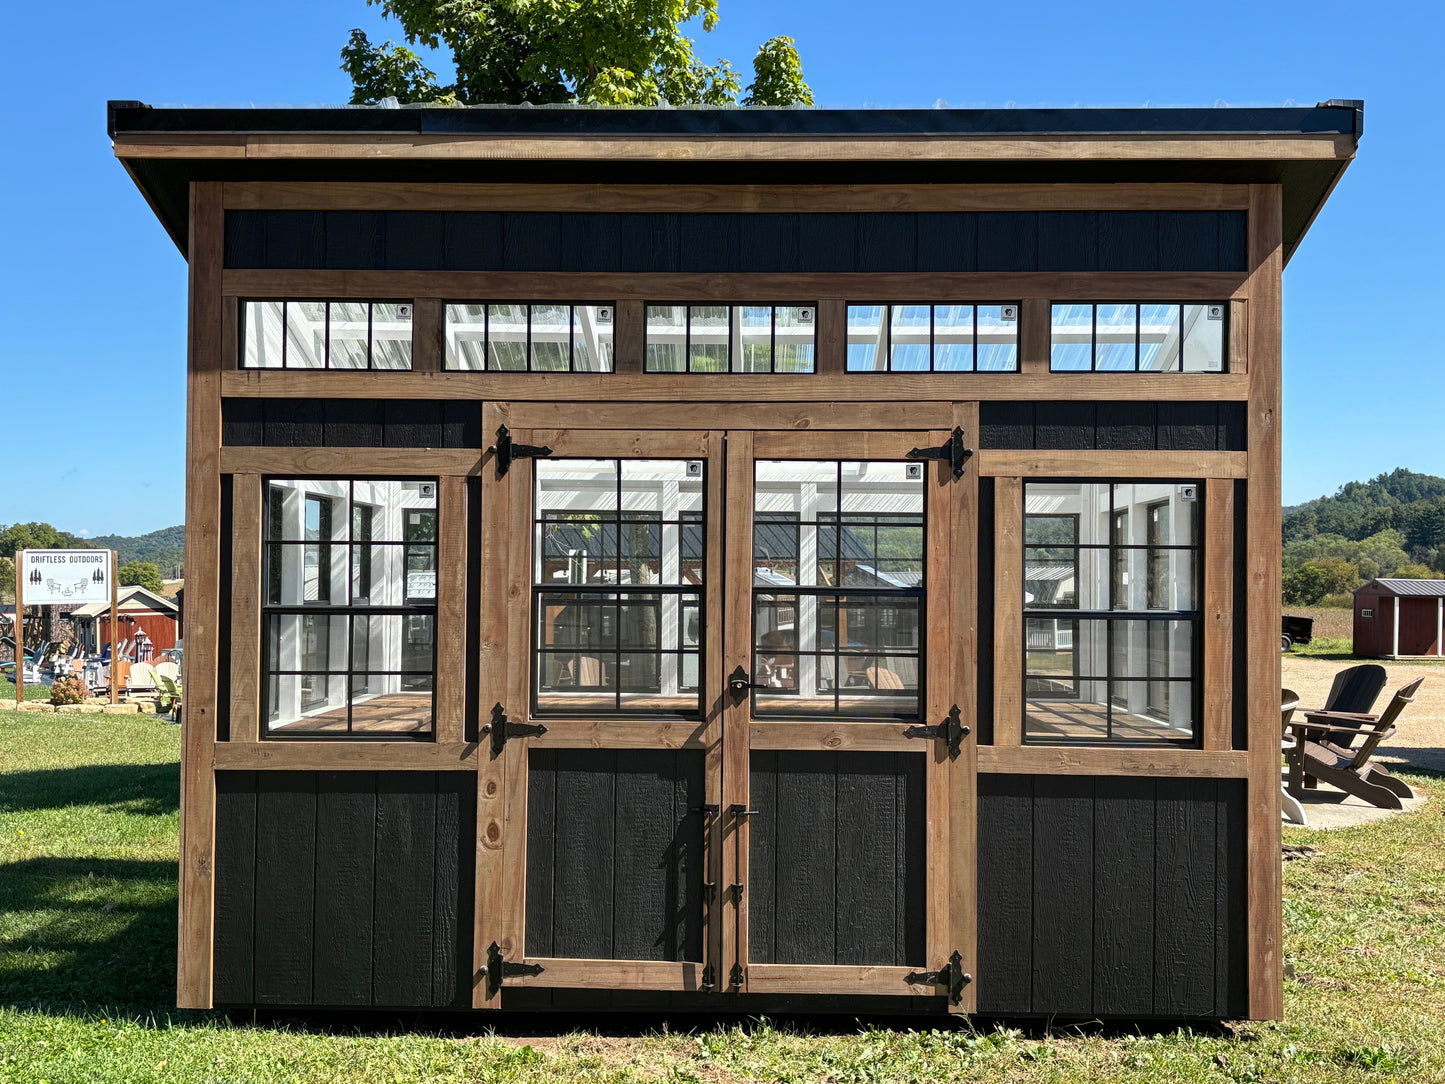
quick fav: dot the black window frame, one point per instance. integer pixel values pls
(1224, 359)
(734, 345)
(349, 611)
(886, 347)
(571, 306)
(1111, 616)
(370, 304)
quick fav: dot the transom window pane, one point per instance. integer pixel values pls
(296, 334)
(752, 338)
(619, 581)
(838, 581)
(1110, 611)
(932, 338)
(540, 337)
(349, 614)
(1163, 337)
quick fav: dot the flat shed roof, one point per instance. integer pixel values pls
(1305, 149)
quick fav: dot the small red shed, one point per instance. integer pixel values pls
(1400, 617)
(139, 609)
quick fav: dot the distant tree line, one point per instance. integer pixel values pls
(1392, 526)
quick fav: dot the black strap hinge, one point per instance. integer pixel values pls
(951, 730)
(507, 452)
(501, 728)
(737, 977)
(709, 979)
(951, 975)
(953, 452)
(498, 969)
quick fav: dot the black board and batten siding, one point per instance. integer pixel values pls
(351, 423)
(837, 866)
(1111, 897)
(344, 889)
(986, 241)
(1201, 426)
(615, 854)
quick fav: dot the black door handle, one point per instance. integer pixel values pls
(740, 682)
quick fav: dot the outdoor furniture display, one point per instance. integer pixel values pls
(141, 680)
(1290, 806)
(1316, 755)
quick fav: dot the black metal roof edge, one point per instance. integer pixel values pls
(1338, 116)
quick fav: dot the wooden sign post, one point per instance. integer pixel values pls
(114, 621)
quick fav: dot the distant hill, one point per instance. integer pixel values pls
(166, 549)
(1392, 525)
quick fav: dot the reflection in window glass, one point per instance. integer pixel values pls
(1110, 611)
(729, 339)
(837, 589)
(350, 609)
(1163, 337)
(932, 338)
(618, 586)
(516, 337)
(326, 334)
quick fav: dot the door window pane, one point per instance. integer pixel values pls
(838, 581)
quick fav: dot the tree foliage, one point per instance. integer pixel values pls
(34, 536)
(612, 52)
(142, 574)
(1392, 525)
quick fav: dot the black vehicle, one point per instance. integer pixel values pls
(1295, 630)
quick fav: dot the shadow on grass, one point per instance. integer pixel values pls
(96, 931)
(142, 789)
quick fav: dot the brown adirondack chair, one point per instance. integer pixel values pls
(1354, 691)
(1351, 770)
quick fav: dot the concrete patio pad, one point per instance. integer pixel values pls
(1327, 807)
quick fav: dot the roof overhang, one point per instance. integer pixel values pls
(1303, 149)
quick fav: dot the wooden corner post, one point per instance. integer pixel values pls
(203, 542)
(1266, 262)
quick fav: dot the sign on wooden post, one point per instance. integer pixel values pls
(62, 578)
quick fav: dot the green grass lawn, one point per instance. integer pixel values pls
(88, 831)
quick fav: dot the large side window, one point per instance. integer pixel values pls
(349, 617)
(618, 585)
(1111, 614)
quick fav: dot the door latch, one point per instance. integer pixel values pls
(951, 730)
(507, 452)
(501, 728)
(739, 682)
(951, 975)
(954, 452)
(497, 969)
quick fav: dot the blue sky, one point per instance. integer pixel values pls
(93, 354)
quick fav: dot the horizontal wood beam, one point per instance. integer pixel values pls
(611, 974)
(352, 462)
(889, 390)
(1124, 760)
(335, 756)
(1094, 464)
(867, 737)
(729, 199)
(813, 286)
(834, 979)
(802, 417)
(622, 734)
(371, 146)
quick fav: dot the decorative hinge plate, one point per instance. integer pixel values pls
(952, 975)
(501, 728)
(498, 969)
(709, 980)
(954, 452)
(507, 452)
(737, 977)
(951, 730)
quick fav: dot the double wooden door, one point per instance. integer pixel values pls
(725, 752)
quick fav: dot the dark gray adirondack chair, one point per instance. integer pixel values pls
(1351, 770)
(1354, 692)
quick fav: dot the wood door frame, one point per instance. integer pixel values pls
(508, 501)
(950, 785)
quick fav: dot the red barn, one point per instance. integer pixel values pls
(1399, 617)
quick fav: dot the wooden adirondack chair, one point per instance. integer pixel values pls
(1290, 806)
(1354, 691)
(1351, 770)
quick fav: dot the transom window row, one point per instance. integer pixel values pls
(730, 339)
(529, 337)
(1127, 336)
(933, 338)
(326, 334)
